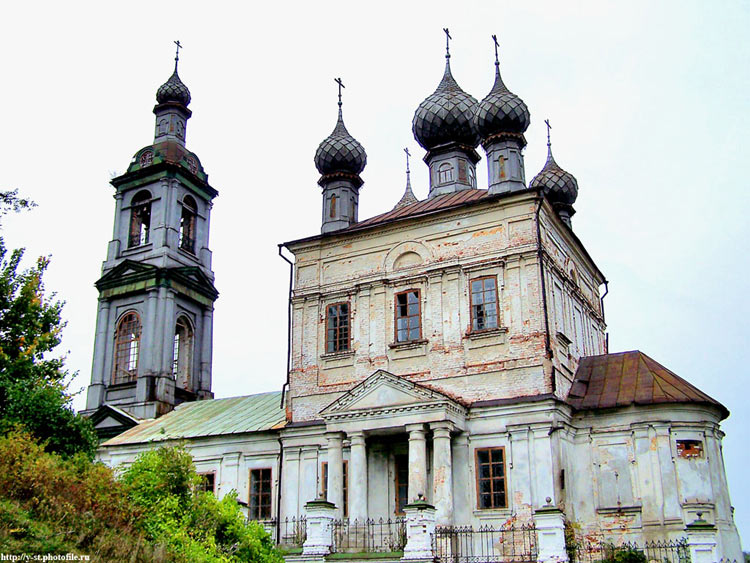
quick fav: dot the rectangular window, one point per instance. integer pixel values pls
(208, 482)
(689, 448)
(408, 316)
(491, 478)
(324, 473)
(337, 328)
(402, 482)
(484, 309)
(260, 494)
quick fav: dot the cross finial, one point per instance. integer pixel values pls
(177, 54)
(341, 85)
(549, 144)
(408, 154)
(447, 43)
(497, 60)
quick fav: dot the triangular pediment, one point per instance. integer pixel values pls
(385, 391)
(125, 269)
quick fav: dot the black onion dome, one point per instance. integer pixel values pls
(560, 186)
(340, 152)
(173, 90)
(446, 115)
(501, 111)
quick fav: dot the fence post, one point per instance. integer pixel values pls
(420, 527)
(701, 539)
(550, 528)
(319, 526)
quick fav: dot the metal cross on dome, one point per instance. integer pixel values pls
(408, 154)
(549, 144)
(447, 43)
(177, 54)
(341, 85)
(497, 60)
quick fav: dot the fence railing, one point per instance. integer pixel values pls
(486, 544)
(289, 532)
(372, 536)
(675, 551)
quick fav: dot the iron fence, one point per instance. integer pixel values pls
(372, 536)
(289, 532)
(464, 544)
(675, 551)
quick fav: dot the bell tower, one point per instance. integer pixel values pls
(154, 324)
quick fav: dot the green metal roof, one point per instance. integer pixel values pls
(215, 417)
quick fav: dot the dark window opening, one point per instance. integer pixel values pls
(337, 328)
(484, 308)
(689, 448)
(345, 492)
(260, 494)
(491, 478)
(187, 224)
(402, 482)
(140, 219)
(207, 482)
(127, 341)
(182, 356)
(408, 316)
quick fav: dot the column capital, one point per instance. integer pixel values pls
(334, 437)
(441, 429)
(416, 431)
(357, 438)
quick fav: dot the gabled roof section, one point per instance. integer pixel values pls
(631, 378)
(384, 397)
(215, 417)
(109, 421)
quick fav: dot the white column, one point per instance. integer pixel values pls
(335, 484)
(417, 462)
(358, 478)
(442, 473)
(550, 527)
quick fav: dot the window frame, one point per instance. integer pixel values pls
(445, 173)
(182, 351)
(128, 350)
(140, 207)
(348, 342)
(207, 474)
(345, 486)
(188, 224)
(471, 303)
(396, 316)
(254, 503)
(477, 478)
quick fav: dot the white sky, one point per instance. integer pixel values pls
(648, 102)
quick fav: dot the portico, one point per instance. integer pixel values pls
(395, 428)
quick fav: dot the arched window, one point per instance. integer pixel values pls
(140, 219)
(445, 173)
(127, 341)
(183, 353)
(187, 224)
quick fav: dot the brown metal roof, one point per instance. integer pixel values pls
(631, 378)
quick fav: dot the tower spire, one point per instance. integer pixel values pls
(408, 197)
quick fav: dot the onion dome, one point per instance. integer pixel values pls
(173, 90)
(501, 111)
(340, 152)
(559, 186)
(446, 115)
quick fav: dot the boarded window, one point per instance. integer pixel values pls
(491, 491)
(484, 309)
(408, 316)
(260, 494)
(337, 328)
(690, 448)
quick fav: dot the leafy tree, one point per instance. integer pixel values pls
(193, 524)
(34, 387)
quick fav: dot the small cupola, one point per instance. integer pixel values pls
(560, 187)
(501, 120)
(408, 198)
(340, 159)
(444, 126)
(171, 110)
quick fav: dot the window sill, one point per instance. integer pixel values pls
(487, 332)
(337, 355)
(492, 512)
(409, 344)
(619, 509)
(563, 340)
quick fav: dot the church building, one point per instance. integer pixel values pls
(451, 349)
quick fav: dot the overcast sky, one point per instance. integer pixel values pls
(649, 110)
